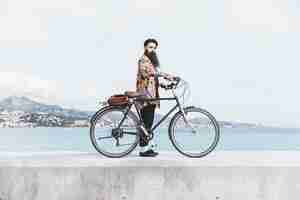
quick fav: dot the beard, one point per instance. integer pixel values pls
(153, 58)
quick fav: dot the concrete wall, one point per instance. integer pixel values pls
(142, 179)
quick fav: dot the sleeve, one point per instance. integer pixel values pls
(144, 69)
(159, 72)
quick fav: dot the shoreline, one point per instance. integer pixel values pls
(165, 158)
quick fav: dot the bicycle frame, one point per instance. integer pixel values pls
(132, 102)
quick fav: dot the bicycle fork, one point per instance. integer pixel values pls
(184, 115)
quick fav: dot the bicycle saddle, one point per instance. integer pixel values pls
(132, 94)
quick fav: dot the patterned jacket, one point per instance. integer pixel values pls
(145, 83)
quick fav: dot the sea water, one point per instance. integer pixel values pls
(78, 139)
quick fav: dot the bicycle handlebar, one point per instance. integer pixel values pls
(172, 85)
(174, 80)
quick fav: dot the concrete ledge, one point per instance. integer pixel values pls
(256, 175)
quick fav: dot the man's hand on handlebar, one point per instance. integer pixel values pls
(174, 80)
(165, 86)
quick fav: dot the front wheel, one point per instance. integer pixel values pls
(196, 136)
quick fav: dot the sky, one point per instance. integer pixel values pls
(240, 57)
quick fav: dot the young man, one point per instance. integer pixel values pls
(147, 83)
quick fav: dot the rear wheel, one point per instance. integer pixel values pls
(108, 137)
(197, 136)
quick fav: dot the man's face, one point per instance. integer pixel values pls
(151, 46)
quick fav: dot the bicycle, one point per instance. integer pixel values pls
(119, 121)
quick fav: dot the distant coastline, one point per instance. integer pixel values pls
(22, 112)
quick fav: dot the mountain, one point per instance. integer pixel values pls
(15, 103)
(24, 112)
(25, 104)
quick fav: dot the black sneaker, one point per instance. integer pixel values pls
(152, 151)
(148, 153)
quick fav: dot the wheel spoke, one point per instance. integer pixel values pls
(129, 133)
(126, 144)
(100, 138)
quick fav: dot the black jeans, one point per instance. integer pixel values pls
(147, 114)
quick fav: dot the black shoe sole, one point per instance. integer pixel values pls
(148, 155)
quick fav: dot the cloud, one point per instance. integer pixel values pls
(24, 84)
(25, 23)
(260, 16)
(20, 80)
